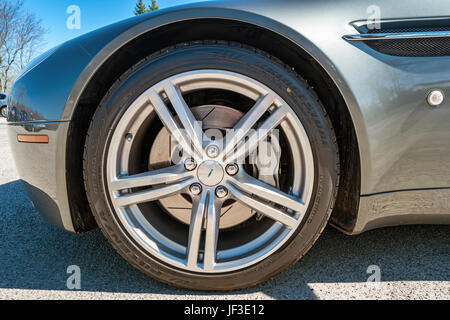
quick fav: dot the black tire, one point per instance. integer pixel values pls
(4, 112)
(232, 57)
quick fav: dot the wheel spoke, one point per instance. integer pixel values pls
(212, 233)
(243, 127)
(196, 228)
(266, 192)
(153, 194)
(264, 208)
(190, 124)
(162, 176)
(247, 147)
(171, 125)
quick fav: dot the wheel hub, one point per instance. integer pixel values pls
(210, 173)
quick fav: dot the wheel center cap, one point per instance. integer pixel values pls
(210, 173)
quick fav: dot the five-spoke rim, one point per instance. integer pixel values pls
(211, 174)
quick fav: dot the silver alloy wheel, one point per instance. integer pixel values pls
(202, 251)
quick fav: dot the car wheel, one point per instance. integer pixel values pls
(4, 112)
(195, 211)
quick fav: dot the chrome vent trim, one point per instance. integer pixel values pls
(397, 36)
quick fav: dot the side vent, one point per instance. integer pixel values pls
(406, 38)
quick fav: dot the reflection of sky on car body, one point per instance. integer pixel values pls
(94, 14)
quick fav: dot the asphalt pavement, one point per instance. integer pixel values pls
(414, 261)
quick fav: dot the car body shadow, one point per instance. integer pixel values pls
(35, 256)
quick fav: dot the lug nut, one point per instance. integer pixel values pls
(129, 137)
(221, 192)
(196, 189)
(232, 169)
(213, 151)
(190, 165)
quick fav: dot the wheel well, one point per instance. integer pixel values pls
(346, 208)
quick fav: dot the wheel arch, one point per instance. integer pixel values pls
(262, 33)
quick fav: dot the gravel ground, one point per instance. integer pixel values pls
(34, 257)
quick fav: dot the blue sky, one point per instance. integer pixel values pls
(94, 14)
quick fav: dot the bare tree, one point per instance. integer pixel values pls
(21, 34)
